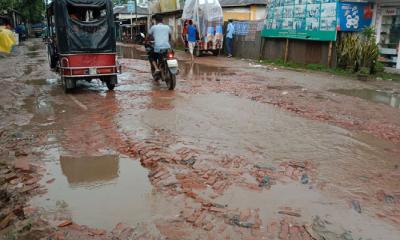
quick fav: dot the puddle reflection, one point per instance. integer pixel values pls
(88, 170)
(385, 97)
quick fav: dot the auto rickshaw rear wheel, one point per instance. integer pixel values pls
(110, 81)
(110, 85)
(68, 84)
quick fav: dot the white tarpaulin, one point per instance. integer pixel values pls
(207, 15)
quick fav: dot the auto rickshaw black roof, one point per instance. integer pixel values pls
(78, 36)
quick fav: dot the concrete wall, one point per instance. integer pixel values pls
(246, 13)
(237, 13)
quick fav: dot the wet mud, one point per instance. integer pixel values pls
(232, 153)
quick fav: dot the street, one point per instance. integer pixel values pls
(238, 150)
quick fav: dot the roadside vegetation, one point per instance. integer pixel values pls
(31, 10)
(357, 56)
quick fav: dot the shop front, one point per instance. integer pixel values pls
(387, 25)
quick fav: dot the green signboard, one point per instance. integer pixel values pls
(301, 19)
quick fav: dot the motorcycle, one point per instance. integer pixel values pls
(167, 64)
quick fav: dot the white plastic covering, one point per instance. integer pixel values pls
(207, 15)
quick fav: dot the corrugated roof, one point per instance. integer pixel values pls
(235, 3)
(123, 9)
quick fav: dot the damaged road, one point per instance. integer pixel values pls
(237, 151)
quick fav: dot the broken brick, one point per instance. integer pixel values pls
(218, 210)
(50, 181)
(245, 215)
(65, 223)
(283, 234)
(28, 188)
(294, 214)
(7, 220)
(10, 176)
(97, 232)
(32, 181)
(22, 164)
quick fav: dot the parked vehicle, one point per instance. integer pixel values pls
(167, 64)
(81, 41)
(38, 29)
(208, 18)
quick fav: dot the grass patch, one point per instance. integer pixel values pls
(323, 68)
(179, 48)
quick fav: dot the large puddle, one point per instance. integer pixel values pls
(264, 133)
(385, 97)
(309, 204)
(101, 191)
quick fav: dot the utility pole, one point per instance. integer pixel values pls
(136, 17)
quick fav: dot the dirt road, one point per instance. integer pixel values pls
(237, 151)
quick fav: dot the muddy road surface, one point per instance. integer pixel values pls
(237, 151)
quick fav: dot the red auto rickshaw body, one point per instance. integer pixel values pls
(82, 42)
(89, 65)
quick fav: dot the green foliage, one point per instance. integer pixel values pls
(379, 67)
(120, 2)
(348, 51)
(315, 67)
(355, 51)
(363, 71)
(369, 49)
(31, 10)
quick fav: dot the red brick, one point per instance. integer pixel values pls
(211, 180)
(199, 221)
(29, 188)
(10, 176)
(186, 213)
(219, 210)
(290, 213)
(97, 232)
(32, 181)
(50, 181)
(65, 223)
(22, 164)
(283, 234)
(380, 195)
(245, 215)
(294, 233)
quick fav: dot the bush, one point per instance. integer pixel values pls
(357, 51)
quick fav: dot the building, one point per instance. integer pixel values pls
(130, 24)
(244, 10)
(386, 20)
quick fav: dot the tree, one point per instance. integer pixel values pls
(120, 2)
(31, 10)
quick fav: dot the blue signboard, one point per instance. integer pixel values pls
(354, 16)
(241, 28)
(131, 6)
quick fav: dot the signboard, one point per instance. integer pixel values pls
(131, 6)
(241, 28)
(389, 11)
(301, 19)
(353, 17)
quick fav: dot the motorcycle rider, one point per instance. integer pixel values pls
(161, 34)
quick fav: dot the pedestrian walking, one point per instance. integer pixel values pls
(191, 32)
(229, 37)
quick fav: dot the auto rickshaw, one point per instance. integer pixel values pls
(81, 41)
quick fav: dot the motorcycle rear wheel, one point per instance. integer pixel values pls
(171, 83)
